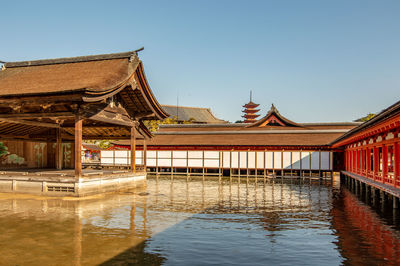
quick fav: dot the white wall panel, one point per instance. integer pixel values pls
(305, 160)
(164, 154)
(179, 154)
(211, 163)
(252, 159)
(235, 159)
(164, 162)
(243, 159)
(278, 160)
(286, 160)
(137, 161)
(107, 153)
(325, 160)
(151, 154)
(121, 153)
(296, 160)
(315, 160)
(179, 162)
(226, 159)
(121, 160)
(138, 154)
(106, 160)
(260, 160)
(211, 154)
(151, 162)
(269, 159)
(195, 154)
(195, 163)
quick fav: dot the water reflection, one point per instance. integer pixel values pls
(199, 222)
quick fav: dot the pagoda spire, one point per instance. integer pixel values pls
(250, 113)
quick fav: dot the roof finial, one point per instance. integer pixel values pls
(251, 94)
(273, 108)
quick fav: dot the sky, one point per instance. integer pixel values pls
(316, 61)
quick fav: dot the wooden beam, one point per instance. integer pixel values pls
(133, 149)
(58, 149)
(30, 115)
(78, 147)
(31, 123)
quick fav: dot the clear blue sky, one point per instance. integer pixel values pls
(317, 61)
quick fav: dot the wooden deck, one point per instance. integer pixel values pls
(54, 182)
(375, 184)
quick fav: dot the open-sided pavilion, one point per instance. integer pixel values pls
(66, 100)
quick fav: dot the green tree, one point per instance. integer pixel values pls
(366, 118)
(153, 125)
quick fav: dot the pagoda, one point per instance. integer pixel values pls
(250, 111)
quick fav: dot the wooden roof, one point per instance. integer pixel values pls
(185, 113)
(273, 117)
(110, 92)
(387, 120)
(233, 135)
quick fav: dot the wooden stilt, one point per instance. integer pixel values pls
(133, 149)
(145, 155)
(58, 149)
(78, 147)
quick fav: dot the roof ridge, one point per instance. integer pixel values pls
(179, 106)
(77, 59)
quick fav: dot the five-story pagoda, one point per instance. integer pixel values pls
(250, 113)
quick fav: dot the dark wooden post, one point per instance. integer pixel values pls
(78, 147)
(145, 154)
(58, 149)
(133, 149)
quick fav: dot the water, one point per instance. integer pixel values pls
(201, 223)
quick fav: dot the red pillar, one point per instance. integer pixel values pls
(376, 163)
(384, 163)
(396, 151)
(368, 160)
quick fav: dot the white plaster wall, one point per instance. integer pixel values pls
(260, 160)
(286, 160)
(315, 160)
(296, 160)
(226, 159)
(305, 160)
(235, 160)
(252, 159)
(325, 164)
(243, 159)
(269, 159)
(277, 160)
(195, 162)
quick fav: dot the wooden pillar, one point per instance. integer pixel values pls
(144, 154)
(133, 149)
(78, 147)
(58, 149)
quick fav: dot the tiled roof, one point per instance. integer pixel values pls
(200, 115)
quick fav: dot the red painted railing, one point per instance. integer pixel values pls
(379, 161)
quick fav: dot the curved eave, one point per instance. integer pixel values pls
(145, 131)
(148, 94)
(285, 120)
(386, 120)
